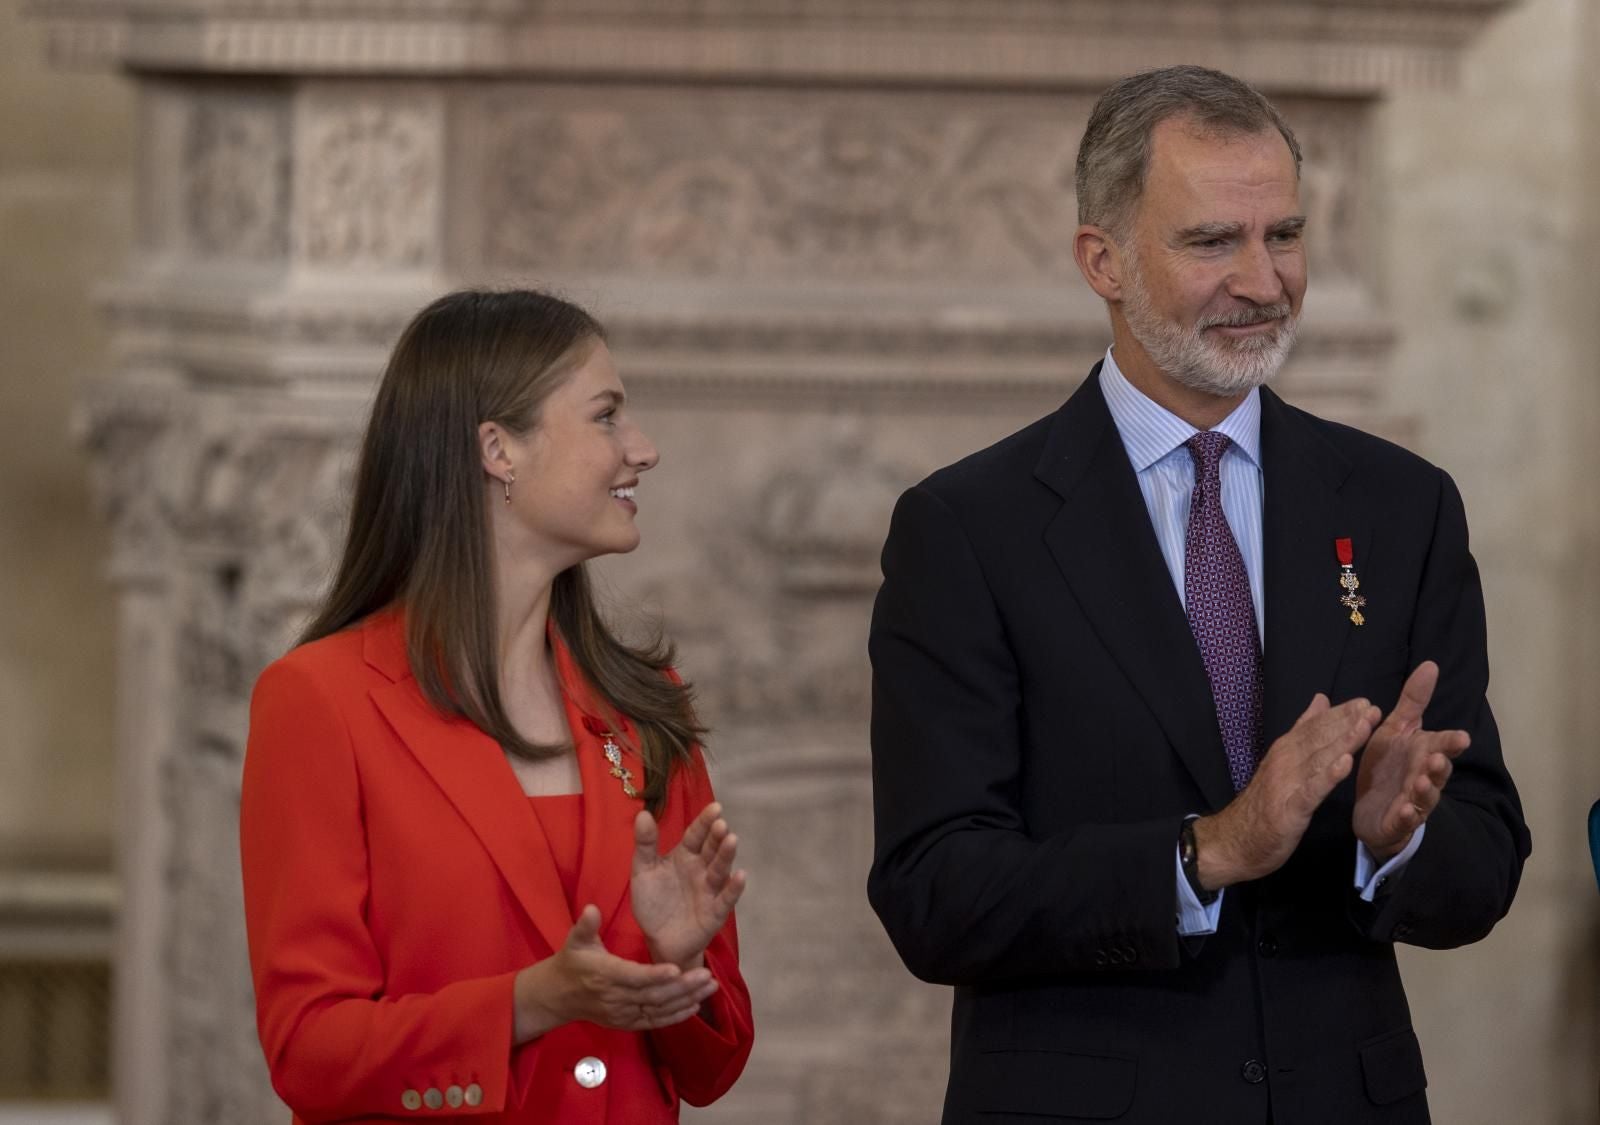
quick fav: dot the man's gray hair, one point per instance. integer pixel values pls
(1114, 155)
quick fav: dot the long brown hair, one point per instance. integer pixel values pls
(419, 534)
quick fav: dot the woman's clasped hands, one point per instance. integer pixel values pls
(680, 900)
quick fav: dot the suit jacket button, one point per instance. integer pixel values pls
(433, 1099)
(1099, 957)
(411, 1099)
(473, 1095)
(589, 1072)
(1130, 954)
(1267, 947)
(453, 1097)
(1253, 1072)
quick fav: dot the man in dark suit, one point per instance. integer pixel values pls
(1179, 716)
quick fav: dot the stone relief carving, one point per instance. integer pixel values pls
(242, 518)
(369, 168)
(236, 180)
(217, 1072)
(742, 187)
(133, 447)
(1333, 175)
(760, 187)
(792, 578)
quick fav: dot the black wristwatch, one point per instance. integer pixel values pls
(1189, 858)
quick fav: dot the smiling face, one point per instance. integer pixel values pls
(1208, 280)
(575, 471)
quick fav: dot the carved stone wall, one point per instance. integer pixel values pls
(832, 243)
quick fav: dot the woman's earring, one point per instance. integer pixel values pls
(511, 479)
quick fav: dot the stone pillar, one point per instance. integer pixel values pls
(831, 239)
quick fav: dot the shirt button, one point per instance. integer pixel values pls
(453, 1097)
(473, 1095)
(589, 1072)
(1267, 947)
(411, 1099)
(1253, 1072)
(433, 1099)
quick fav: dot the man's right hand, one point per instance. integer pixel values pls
(1260, 828)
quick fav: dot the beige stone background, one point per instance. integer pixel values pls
(1490, 238)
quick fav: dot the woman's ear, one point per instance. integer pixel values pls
(494, 450)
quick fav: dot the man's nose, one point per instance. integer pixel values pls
(1255, 276)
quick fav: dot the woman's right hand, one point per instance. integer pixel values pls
(582, 981)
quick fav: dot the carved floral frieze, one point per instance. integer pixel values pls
(772, 188)
(368, 166)
(236, 179)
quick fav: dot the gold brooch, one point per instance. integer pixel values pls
(619, 771)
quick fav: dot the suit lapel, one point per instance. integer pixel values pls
(1103, 543)
(1302, 514)
(608, 813)
(473, 774)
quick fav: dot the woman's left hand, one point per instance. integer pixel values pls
(681, 899)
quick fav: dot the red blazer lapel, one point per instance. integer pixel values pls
(608, 812)
(473, 774)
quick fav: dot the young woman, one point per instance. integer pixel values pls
(484, 872)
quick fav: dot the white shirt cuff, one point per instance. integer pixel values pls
(1194, 920)
(1369, 876)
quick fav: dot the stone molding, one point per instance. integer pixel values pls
(1325, 46)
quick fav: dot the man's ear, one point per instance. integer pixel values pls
(1099, 260)
(493, 449)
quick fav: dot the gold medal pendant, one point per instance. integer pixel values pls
(619, 771)
(1348, 581)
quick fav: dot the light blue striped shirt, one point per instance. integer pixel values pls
(1154, 437)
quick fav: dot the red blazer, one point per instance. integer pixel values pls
(395, 881)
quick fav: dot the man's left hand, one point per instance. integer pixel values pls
(1403, 769)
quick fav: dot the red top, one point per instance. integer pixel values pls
(561, 817)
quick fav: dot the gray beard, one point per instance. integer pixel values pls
(1188, 358)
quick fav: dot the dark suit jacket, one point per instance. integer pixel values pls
(1042, 723)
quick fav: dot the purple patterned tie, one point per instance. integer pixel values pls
(1216, 594)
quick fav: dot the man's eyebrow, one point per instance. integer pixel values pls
(1201, 232)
